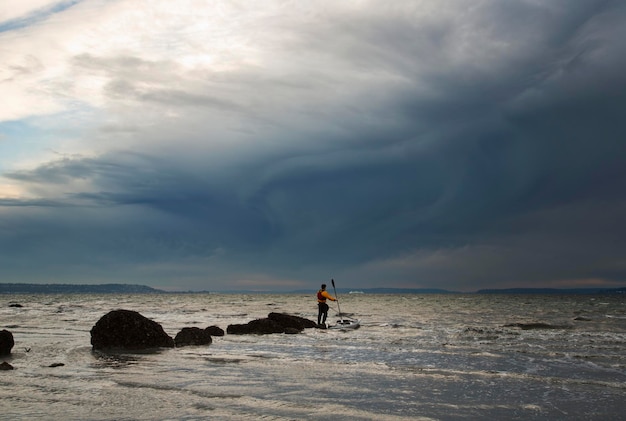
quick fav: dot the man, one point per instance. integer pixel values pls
(322, 312)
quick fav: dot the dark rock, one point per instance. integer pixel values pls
(292, 331)
(192, 336)
(6, 342)
(258, 327)
(274, 323)
(128, 329)
(6, 366)
(56, 365)
(16, 305)
(215, 331)
(295, 322)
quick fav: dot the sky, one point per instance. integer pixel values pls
(274, 145)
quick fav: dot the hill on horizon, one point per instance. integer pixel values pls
(16, 288)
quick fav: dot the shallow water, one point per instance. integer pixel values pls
(439, 357)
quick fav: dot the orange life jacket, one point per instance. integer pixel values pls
(320, 297)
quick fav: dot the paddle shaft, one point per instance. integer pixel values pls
(332, 281)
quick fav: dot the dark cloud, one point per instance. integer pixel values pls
(466, 150)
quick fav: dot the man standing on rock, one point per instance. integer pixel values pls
(322, 313)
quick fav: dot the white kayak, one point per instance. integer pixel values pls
(345, 324)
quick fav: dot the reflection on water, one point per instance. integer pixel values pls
(114, 360)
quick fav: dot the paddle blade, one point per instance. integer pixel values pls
(333, 282)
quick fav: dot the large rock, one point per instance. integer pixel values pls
(274, 323)
(193, 336)
(295, 322)
(6, 342)
(258, 327)
(128, 329)
(215, 331)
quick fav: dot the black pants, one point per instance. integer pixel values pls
(322, 312)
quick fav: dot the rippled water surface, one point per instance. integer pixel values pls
(439, 357)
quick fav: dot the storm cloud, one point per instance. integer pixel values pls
(416, 144)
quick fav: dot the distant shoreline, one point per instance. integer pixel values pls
(25, 288)
(17, 288)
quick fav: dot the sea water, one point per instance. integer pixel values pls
(415, 357)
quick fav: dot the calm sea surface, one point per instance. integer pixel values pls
(430, 357)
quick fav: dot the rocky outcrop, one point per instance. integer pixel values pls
(290, 321)
(274, 323)
(193, 336)
(126, 329)
(215, 331)
(258, 327)
(6, 342)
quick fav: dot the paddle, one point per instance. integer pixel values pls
(332, 281)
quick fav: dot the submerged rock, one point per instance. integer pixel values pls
(128, 329)
(193, 336)
(6, 342)
(274, 323)
(5, 366)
